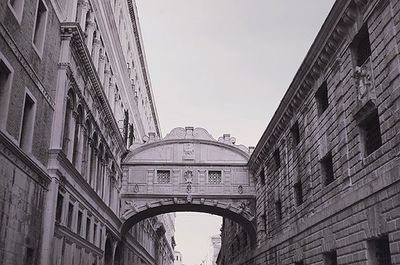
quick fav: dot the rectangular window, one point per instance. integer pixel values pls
(214, 176)
(88, 222)
(330, 258)
(379, 251)
(6, 74)
(295, 132)
(60, 201)
(94, 233)
(163, 176)
(361, 46)
(370, 131)
(327, 169)
(301, 262)
(298, 192)
(278, 210)
(17, 7)
(277, 159)
(39, 32)
(29, 256)
(70, 215)
(28, 119)
(262, 177)
(79, 223)
(321, 97)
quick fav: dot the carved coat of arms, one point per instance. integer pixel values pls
(188, 151)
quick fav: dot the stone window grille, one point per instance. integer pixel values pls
(379, 251)
(330, 258)
(163, 176)
(371, 133)
(327, 169)
(214, 177)
(321, 97)
(39, 32)
(298, 192)
(295, 132)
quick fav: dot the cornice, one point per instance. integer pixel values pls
(79, 47)
(143, 63)
(318, 59)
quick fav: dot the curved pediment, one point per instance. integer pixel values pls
(189, 145)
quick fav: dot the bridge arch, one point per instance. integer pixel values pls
(189, 171)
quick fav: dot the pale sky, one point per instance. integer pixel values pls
(223, 65)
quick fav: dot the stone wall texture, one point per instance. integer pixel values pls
(362, 203)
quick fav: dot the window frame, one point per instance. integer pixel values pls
(5, 99)
(39, 50)
(28, 149)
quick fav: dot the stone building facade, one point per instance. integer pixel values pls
(328, 163)
(74, 96)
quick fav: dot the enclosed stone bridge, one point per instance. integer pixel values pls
(188, 170)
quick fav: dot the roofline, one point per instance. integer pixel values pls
(142, 55)
(308, 62)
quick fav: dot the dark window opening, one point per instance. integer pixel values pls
(379, 251)
(330, 258)
(321, 97)
(27, 124)
(30, 256)
(60, 200)
(79, 223)
(295, 132)
(277, 159)
(262, 177)
(327, 169)
(298, 191)
(278, 210)
(371, 133)
(301, 262)
(87, 228)
(361, 46)
(70, 215)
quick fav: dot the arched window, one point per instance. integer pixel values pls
(67, 121)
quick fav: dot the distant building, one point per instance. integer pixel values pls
(178, 258)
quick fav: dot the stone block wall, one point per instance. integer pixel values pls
(353, 217)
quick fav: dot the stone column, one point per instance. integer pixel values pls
(90, 27)
(71, 10)
(106, 79)
(101, 66)
(82, 9)
(49, 215)
(89, 161)
(96, 49)
(71, 135)
(94, 173)
(79, 154)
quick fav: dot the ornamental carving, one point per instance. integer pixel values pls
(364, 84)
(188, 176)
(188, 151)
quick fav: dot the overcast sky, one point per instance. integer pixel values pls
(223, 65)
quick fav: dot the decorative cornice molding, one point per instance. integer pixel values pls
(143, 65)
(79, 47)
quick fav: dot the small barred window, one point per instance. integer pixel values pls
(163, 176)
(214, 177)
